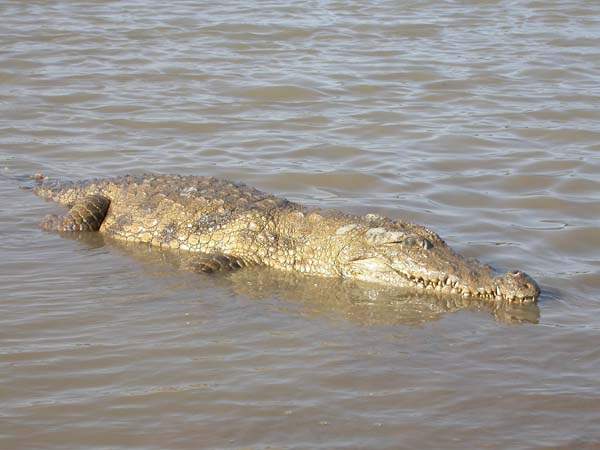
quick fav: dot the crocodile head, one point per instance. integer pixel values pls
(415, 257)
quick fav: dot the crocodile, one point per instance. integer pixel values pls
(230, 226)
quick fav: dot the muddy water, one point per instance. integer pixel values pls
(479, 119)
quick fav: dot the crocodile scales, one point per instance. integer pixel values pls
(231, 226)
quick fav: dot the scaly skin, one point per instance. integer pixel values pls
(236, 226)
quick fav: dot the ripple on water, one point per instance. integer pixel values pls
(279, 93)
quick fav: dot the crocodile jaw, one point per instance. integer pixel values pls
(474, 280)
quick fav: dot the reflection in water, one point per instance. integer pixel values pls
(354, 301)
(368, 304)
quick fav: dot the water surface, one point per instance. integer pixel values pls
(478, 119)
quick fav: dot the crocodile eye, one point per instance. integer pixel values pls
(417, 242)
(409, 241)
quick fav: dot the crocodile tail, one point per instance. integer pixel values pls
(86, 215)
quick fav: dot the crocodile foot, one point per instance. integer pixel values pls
(211, 263)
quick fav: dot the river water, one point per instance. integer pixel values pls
(478, 119)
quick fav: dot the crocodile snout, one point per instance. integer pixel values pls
(517, 286)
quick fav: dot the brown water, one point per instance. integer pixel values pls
(479, 119)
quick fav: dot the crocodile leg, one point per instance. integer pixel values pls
(210, 263)
(86, 215)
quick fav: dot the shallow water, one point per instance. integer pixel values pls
(477, 119)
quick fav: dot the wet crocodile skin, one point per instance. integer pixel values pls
(218, 217)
